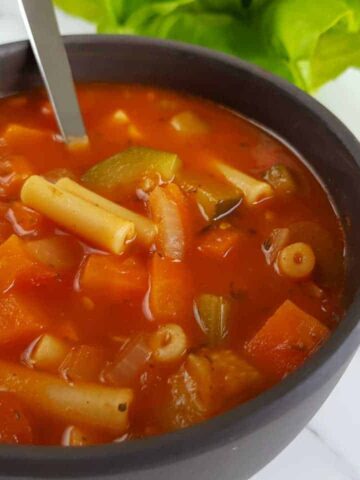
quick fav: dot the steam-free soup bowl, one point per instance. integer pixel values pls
(234, 445)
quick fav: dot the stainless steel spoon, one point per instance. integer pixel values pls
(49, 51)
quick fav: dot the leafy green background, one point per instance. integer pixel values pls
(308, 42)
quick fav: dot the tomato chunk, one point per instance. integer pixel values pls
(286, 340)
(14, 425)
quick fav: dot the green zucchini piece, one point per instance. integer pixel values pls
(215, 198)
(130, 166)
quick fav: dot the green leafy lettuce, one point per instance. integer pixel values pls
(308, 42)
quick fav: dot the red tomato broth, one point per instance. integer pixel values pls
(255, 289)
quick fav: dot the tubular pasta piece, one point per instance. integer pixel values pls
(86, 403)
(145, 228)
(77, 215)
(254, 190)
(168, 343)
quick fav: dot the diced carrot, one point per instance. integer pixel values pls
(14, 170)
(170, 291)
(286, 340)
(14, 425)
(167, 210)
(113, 277)
(18, 266)
(218, 242)
(24, 220)
(83, 363)
(21, 318)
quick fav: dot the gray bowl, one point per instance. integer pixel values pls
(235, 445)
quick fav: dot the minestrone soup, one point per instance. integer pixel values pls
(175, 265)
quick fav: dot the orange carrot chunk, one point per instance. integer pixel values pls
(114, 277)
(170, 291)
(14, 425)
(21, 318)
(17, 265)
(286, 340)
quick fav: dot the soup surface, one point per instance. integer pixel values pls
(179, 263)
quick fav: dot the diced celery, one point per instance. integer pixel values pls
(131, 165)
(281, 179)
(212, 312)
(215, 198)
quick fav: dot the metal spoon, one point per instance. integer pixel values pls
(49, 51)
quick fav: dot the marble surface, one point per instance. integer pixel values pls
(329, 447)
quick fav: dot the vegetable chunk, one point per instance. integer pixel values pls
(286, 340)
(168, 215)
(17, 265)
(129, 166)
(214, 198)
(83, 363)
(113, 277)
(281, 179)
(21, 318)
(205, 382)
(213, 316)
(170, 290)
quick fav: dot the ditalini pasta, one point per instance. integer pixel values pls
(81, 217)
(146, 282)
(168, 343)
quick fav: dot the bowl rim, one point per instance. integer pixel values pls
(246, 418)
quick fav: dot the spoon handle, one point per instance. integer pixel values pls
(49, 51)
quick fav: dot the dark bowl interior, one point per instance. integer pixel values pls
(279, 414)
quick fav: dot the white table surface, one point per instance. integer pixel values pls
(329, 447)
